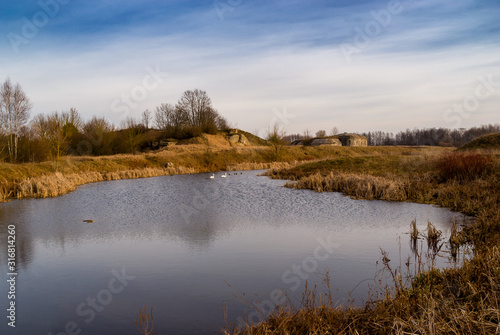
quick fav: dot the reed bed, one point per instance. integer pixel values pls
(464, 300)
(57, 184)
(359, 186)
(52, 178)
(460, 300)
(263, 166)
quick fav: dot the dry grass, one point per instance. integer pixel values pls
(263, 166)
(463, 166)
(414, 230)
(57, 184)
(145, 322)
(452, 301)
(460, 300)
(398, 178)
(50, 179)
(358, 186)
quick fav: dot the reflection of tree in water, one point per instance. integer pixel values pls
(200, 231)
(191, 210)
(23, 243)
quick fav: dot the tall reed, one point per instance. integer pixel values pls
(145, 322)
(464, 299)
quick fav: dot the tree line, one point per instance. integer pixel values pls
(191, 116)
(411, 137)
(430, 136)
(50, 136)
(15, 110)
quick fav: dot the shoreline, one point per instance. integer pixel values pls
(59, 184)
(387, 173)
(51, 178)
(433, 301)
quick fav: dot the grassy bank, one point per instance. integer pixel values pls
(463, 300)
(423, 177)
(52, 178)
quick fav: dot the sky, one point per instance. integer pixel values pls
(306, 65)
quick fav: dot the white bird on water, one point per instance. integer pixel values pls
(212, 176)
(224, 175)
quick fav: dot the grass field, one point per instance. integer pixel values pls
(461, 300)
(52, 178)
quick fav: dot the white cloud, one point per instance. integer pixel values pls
(396, 83)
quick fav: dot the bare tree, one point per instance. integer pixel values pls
(307, 134)
(74, 118)
(293, 137)
(133, 131)
(15, 110)
(146, 118)
(22, 109)
(5, 112)
(320, 133)
(99, 135)
(40, 126)
(57, 129)
(98, 125)
(275, 137)
(168, 117)
(58, 137)
(222, 123)
(334, 131)
(197, 106)
(192, 114)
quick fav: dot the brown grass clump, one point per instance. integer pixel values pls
(55, 178)
(455, 241)
(397, 178)
(450, 301)
(145, 322)
(57, 184)
(358, 186)
(433, 237)
(460, 300)
(463, 166)
(414, 230)
(263, 166)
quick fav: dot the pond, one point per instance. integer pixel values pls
(188, 246)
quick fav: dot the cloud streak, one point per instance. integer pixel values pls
(262, 56)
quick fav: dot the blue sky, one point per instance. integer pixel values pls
(356, 65)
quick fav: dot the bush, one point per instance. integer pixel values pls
(463, 166)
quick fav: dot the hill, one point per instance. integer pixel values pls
(490, 141)
(253, 139)
(235, 137)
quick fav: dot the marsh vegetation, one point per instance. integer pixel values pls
(459, 300)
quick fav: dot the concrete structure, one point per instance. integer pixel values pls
(353, 140)
(345, 140)
(332, 142)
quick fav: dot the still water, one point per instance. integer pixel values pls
(186, 246)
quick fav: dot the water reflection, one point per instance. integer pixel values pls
(184, 238)
(24, 246)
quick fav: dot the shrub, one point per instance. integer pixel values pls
(463, 166)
